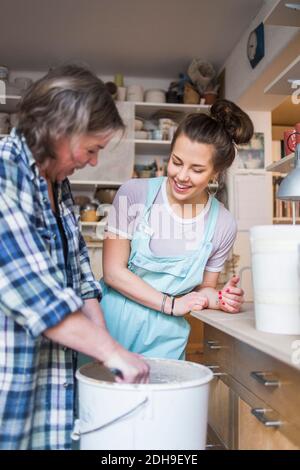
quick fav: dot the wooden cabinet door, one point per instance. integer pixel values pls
(254, 435)
(194, 349)
(220, 411)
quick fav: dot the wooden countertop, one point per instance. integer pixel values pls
(285, 348)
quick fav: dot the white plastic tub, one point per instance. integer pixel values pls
(168, 413)
(275, 278)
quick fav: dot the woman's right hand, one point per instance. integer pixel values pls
(133, 367)
(188, 302)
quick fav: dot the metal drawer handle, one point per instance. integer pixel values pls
(213, 344)
(260, 414)
(214, 446)
(264, 378)
(213, 368)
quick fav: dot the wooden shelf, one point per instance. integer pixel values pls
(283, 16)
(92, 224)
(285, 165)
(283, 83)
(11, 102)
(94, 243)
(152, 146)
(245, 171)
(147, 109)
(82, 185)
(285, 220)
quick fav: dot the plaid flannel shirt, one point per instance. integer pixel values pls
(37, 291)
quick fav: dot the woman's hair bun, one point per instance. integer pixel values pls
(234, 120)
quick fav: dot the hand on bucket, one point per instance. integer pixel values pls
(231, 297)
(133, 367)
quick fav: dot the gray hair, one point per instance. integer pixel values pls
(68, 101)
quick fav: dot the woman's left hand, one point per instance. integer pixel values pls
(231, 297)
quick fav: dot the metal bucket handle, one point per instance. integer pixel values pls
(77, 432)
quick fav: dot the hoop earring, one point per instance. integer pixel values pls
(212, 188)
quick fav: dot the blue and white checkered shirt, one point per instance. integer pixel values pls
(37, 291)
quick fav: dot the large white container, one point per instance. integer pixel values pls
(168, 413)
(275, 278)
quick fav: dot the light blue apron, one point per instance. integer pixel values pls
(139, 328)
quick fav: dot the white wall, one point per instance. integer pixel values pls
(239, 73)
(262, 201)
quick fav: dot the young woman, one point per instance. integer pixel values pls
(168, 238)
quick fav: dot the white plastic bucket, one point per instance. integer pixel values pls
(168, 413)
(275, 278)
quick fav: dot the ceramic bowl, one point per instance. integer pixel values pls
(155, 96)
(138, 124)
(253, 164)
(141, 135)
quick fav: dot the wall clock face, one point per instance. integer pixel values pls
(256, 45)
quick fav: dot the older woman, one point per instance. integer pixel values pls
(48, 296)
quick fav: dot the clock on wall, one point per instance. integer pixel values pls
(256, 45)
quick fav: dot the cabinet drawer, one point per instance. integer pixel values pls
(254, 435)
(218, 350)
(275, 383)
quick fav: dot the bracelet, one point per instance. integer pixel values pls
(172, 306)
(163, 303)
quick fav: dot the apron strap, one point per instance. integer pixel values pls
(154, 185)
(212, 220)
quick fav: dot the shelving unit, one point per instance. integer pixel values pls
(283, 166)
(145, 109)
(285, 220)
(8, 103)
(244, 171)
(92, 185)
(93, 232)
(281, 15)
(92, 224)
(146, 149)
(283, 84)
(282, 210)
(155, 147)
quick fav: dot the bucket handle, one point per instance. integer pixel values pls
(77, 432)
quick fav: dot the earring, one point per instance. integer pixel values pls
(212, 187)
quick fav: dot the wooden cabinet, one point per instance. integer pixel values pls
(194, 350)
(220, 412)
(254, 435)
(254, 399)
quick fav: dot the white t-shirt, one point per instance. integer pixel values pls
(171, 235)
